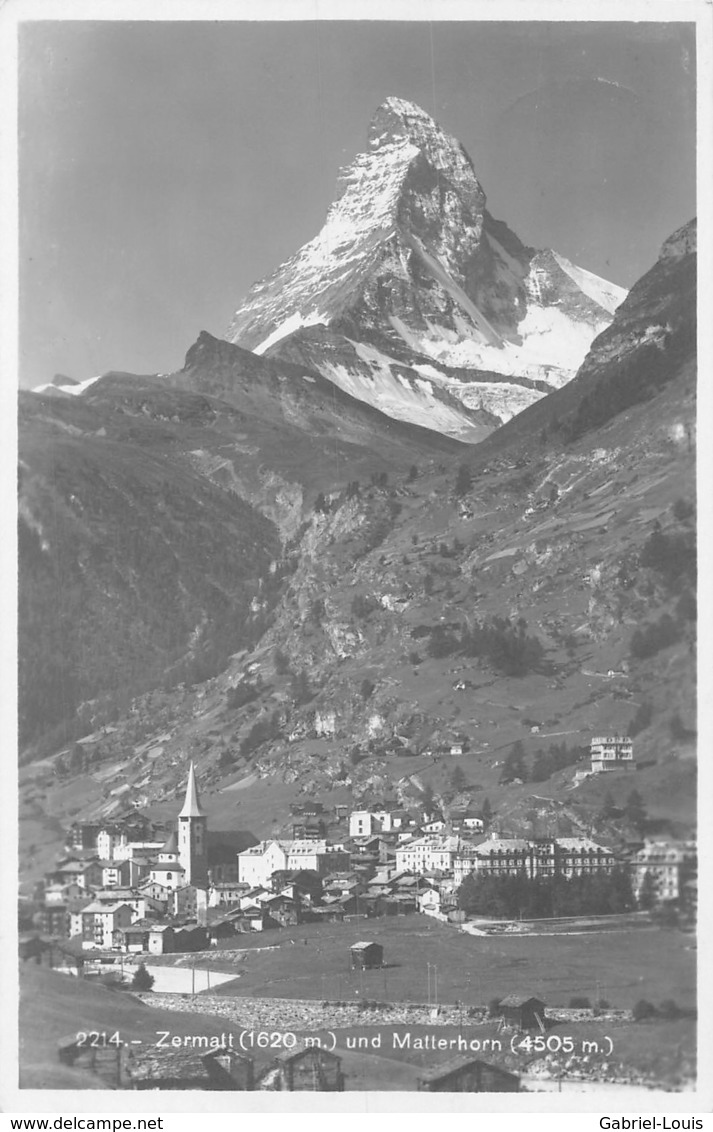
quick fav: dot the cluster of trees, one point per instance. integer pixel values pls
(281, 661)
(683, 510)
(317, 610)
(368, 687)
(379, 524)
(556, 757)
(669, 1010)
(672, 556)
(511, 897)
(544, 762)
(78, 760)
(321, 504)
(654, 637)
(362, 606)
(464, 481)
(264, 729)
(633, 811)
(241, 694)
(507, 646)
(642, 718)
(300, 688)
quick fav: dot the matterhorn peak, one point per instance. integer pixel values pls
(411, 278)
(397, 120)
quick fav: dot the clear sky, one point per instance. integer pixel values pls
(164, 167)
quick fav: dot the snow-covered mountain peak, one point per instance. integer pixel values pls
(411, 263)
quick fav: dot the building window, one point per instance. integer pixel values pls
(169, 876)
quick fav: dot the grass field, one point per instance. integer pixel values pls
(622, 967)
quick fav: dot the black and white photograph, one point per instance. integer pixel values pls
(356, 717)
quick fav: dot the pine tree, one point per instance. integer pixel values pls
(301, 691)
(486, 813)
(458, 779)
(646, 897)
(427, 798)
(514, 765)
(142, 980)
(635, 811)
(464, 481)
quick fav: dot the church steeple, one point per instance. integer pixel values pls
(192, 805)
(193, 836)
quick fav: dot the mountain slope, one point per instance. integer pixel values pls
(543, 595)
(156, 509)
(129, 565)
(410, 267)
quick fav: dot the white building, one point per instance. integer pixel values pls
(427, 854)
(435, 826)
(546, 857)
(317, 856)
(170, 876)
(668, 865)
(429, 901)
(111, 843)
(474, 824)
(257, 864)
(101, 922)
(464, 863)
(611, 752)
(362, 823)
(225, 893)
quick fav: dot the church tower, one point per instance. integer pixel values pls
(193, 836)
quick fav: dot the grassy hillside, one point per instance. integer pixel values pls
(54, 1006)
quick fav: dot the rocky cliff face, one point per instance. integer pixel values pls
(422, 298)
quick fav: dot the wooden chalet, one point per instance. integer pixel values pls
(366, 955)
(313, 1070)
(106, 1061)
(525, 1013)
(465, 1076)
(216, 1070)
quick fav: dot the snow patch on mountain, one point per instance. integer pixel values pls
(75, 389)
(387, 384)
(607, 295)
(294, 322)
